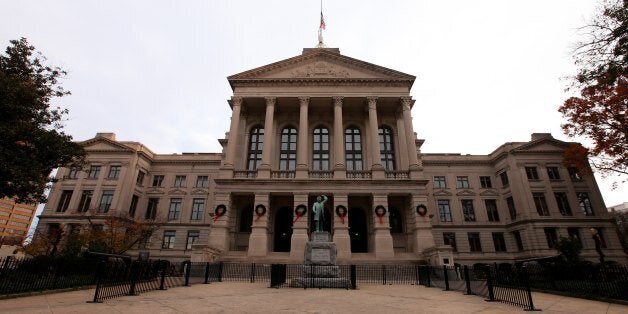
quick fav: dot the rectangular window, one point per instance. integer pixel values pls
(133, 207)
(511, 208)
(462, 182)
(517, 235)
(114, 172)
(491, 210)
(74, 172)
(574, 233)
(193, 236)
(585, 203)
(158, 180)
(553, 173)
(551, 237)
(485, 182)
(440, 182)
(198, 209)
(94, 172)
(475, 245)
(499, 242)
(449, 238)
(444, 211)
(86, 200)
(574, 174)
(540, 204)
(105, 201)
(179, 181)
(467, 210)
(174, 211)
(563, 204)
(532, 173)
(64, 201)
(168, 241)
(504, 177)
(151, 209)
(140, 178)
(202, 181)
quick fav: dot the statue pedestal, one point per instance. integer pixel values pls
(320, 269)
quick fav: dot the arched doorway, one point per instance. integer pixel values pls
(358, 231)
(283, 230)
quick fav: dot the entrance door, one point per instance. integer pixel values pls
(358, 230)
(283, 230)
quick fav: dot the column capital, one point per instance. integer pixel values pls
(236, 100)
(270, 101)
(304, 100)
(372, 100)
(338, 100)
(406, 102)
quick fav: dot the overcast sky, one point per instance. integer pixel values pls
(488, 72)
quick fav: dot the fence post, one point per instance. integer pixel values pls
(446, 277)
(100, 271)
(489, 282)
(383, 274)
(164, 268)
(253, 273)
(187, 270)
(526, 282)
(353, 275)
(134, 274)
(207, 273)
(417, 270)
(311, 277)
(429, 275)
(467, 279)
(220, 272)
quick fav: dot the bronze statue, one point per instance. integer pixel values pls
(318, 209)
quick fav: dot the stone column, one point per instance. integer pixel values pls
(423, 238)
(299, 230)
(406, 103)
(383, 241)
(219, 232)
(340, 171)
(258, 240)
(403, 143)
(302, 155)
(265, 166)
(377, 171)
(233, 131)
(341, 229)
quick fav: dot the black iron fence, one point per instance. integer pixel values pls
(23, 275)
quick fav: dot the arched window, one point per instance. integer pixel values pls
(320, 149)
(256, 145)
(353, 149)
(288, 149)
(386, 148)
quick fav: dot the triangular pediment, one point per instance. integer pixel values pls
(549, 145)
(155, 191)
(442, 193)
(321, 64)
(177, 192)
(489, 193)
(200, 192)
(465, 193)
(103, 144)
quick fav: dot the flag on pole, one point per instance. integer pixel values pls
(322, 22)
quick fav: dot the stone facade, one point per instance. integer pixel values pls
(322, 123)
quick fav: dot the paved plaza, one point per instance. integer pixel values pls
(258, 298)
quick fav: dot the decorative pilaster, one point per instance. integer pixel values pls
(377, 171)
(340, 171)
(302, 155)
(406, 103)
(219, 232)
(299, 229)
(423, 238)
(258, 240)
(341, 227)
(382, 239)
(265, 167)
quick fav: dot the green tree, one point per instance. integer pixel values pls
(569, 248)
(599, 113)
(32, 142)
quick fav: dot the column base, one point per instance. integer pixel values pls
(297, 243)
(343, 243)
(383, 243)
(263, 172)
(258, 242)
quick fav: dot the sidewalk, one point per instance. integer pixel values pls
(258, 298)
